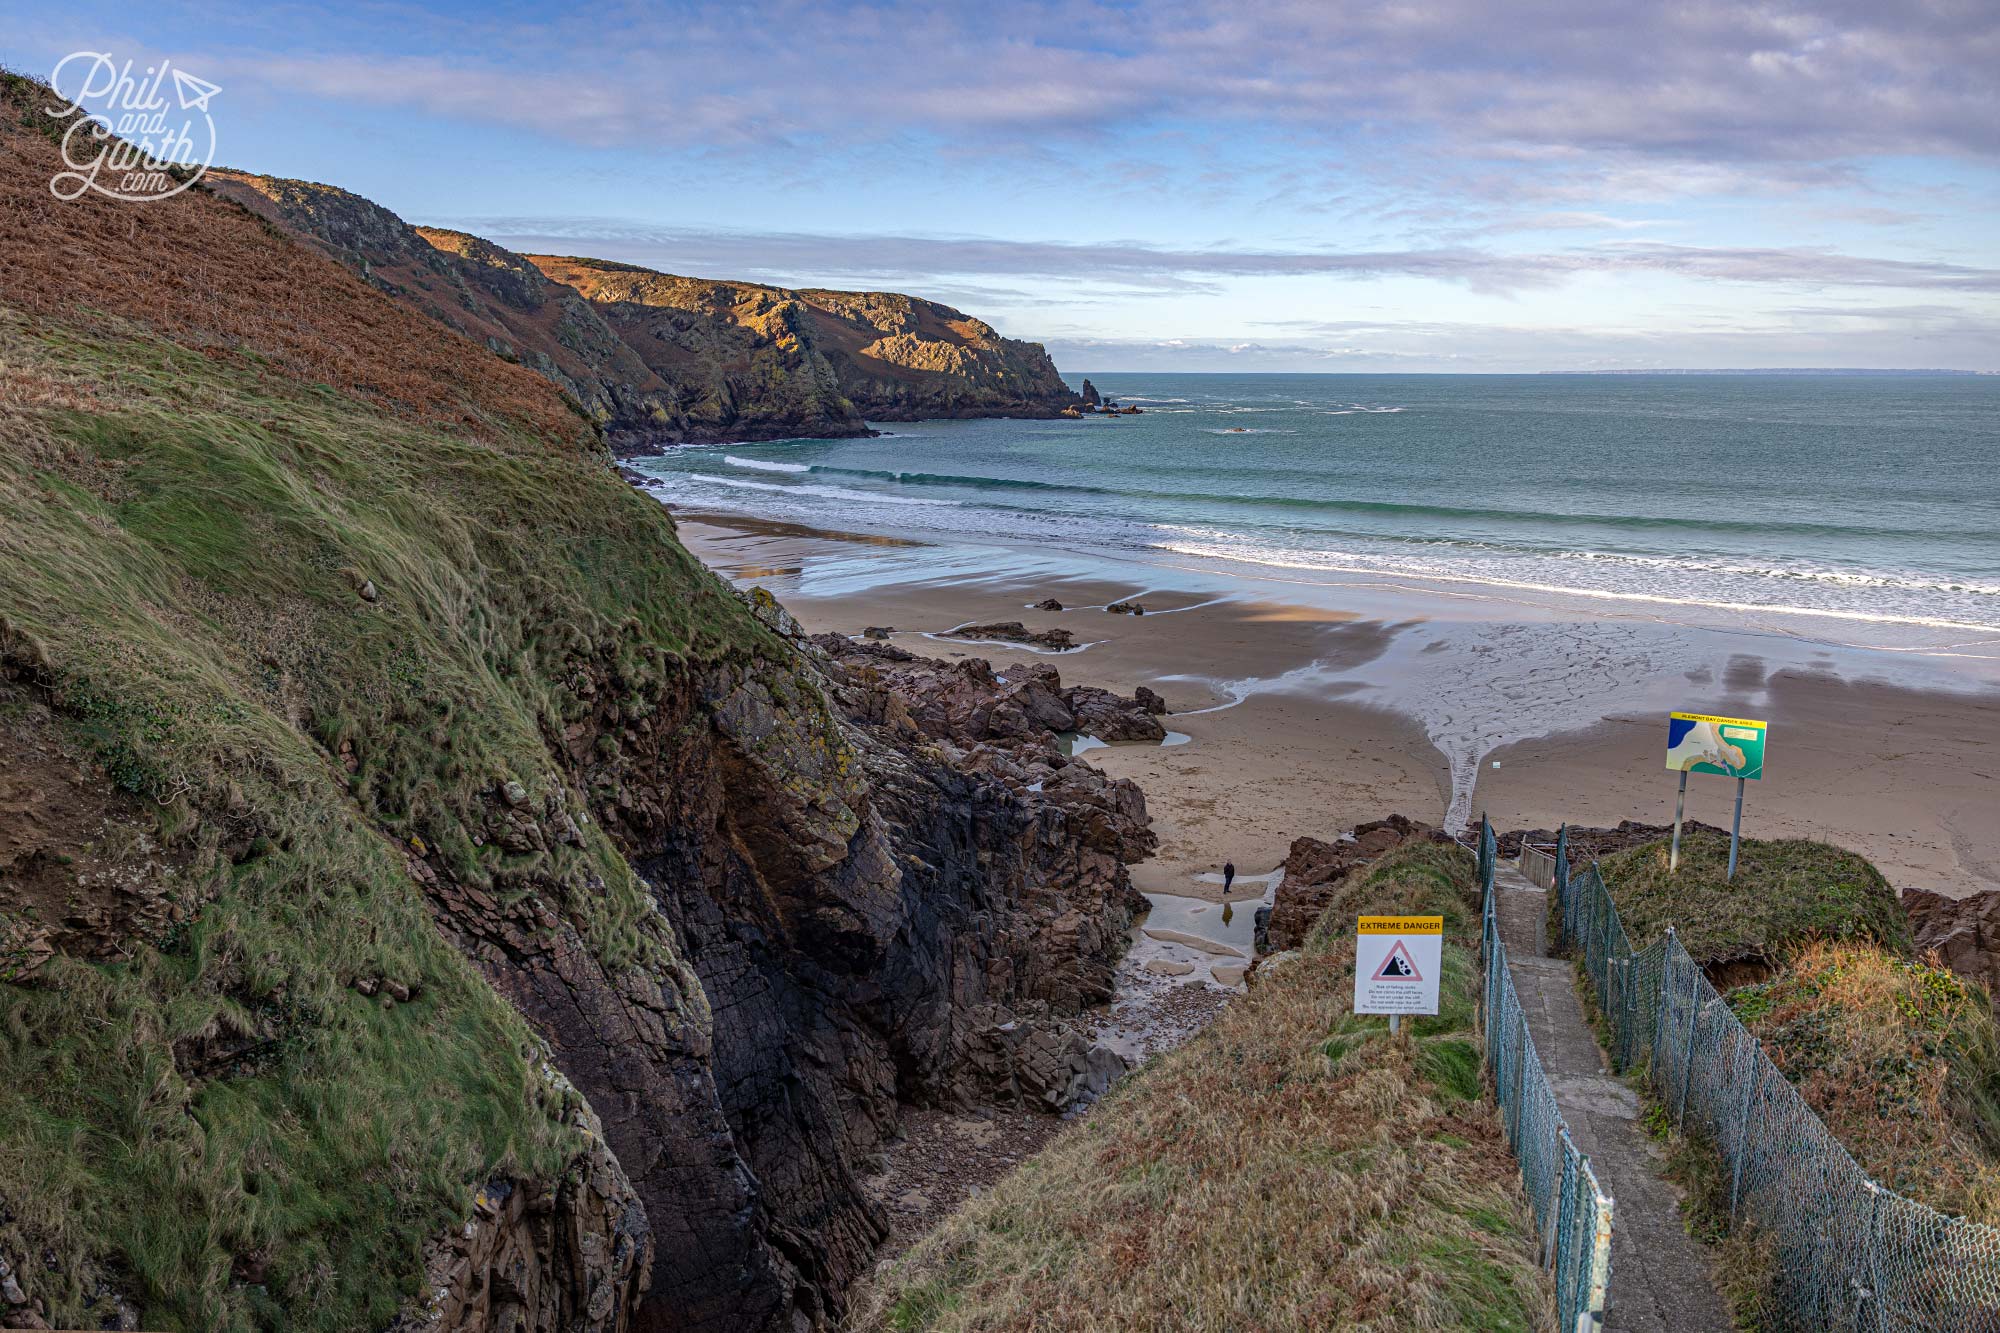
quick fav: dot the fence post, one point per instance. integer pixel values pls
(1561, 1188)
(1875, 1257)
(1600, 1267)
(1607, 989)
(1687, 1050)
(1750, 1086)
(1520, 1059)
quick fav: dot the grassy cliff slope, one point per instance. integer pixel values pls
(1288, 1168)
(292, 590)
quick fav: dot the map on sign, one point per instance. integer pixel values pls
(1396, 964)
(1702, 743)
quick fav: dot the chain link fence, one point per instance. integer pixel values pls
(1572, 1214)
(1847, 1254)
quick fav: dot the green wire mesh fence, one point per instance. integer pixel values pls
(1572, 1213)
(1847, 1253)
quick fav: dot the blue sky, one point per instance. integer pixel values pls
(1448, 185)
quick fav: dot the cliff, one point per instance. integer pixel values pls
(660, 360)
(429, 898)
(891, 357)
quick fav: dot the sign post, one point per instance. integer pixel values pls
(1397, 961)
(1704, 743)
(1680, 807)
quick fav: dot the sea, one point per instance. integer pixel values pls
(1854, 510)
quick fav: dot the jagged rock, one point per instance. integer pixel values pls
(1150, 701)
(1964, 932)
(1587, 843)
(1089, 394)
(570, 1256)
(1312, 870)
(1048, 604)
(1126, 609)
(877, 632)
(1013, 631)
(1106, 716)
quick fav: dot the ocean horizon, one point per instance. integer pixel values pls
(1862, 511)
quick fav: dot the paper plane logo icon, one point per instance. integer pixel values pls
(194, 93)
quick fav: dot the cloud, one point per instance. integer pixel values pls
(1564, 84)
(811, 258)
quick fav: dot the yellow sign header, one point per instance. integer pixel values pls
(1402, 925)
(1722, 721)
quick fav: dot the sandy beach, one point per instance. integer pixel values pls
(1307, 719)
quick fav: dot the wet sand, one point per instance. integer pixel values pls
(1309, 719)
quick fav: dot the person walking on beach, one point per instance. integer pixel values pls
(1228, 876)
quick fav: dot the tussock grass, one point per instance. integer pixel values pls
(1901, 1060)
(1288, 1168)
(1785, 893)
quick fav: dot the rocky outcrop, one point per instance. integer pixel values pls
(1013, 631)
(871, 355)
(1963, 932)
(967, 701)
(870, 915)
(570, 1256)
(1089, 398)
(657, 359)
(1586, 844)
(1314, 869)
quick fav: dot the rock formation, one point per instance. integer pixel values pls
(877, 355)
(658, 359)
(1963, 932)
(1313, 869)
(1588, 843)
(1013, 631)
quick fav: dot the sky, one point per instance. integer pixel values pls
(1435, 185)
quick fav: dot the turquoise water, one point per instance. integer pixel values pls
(1822, 506)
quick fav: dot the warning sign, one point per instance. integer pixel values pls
(1396, 964)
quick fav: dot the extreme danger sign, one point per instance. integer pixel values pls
(1396, 964)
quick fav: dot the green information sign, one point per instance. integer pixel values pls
(1702, 743)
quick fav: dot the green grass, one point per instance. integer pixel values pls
(180, 560)
(1292, 1167)
(1785, 893)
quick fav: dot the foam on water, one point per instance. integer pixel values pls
(1778, 505)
